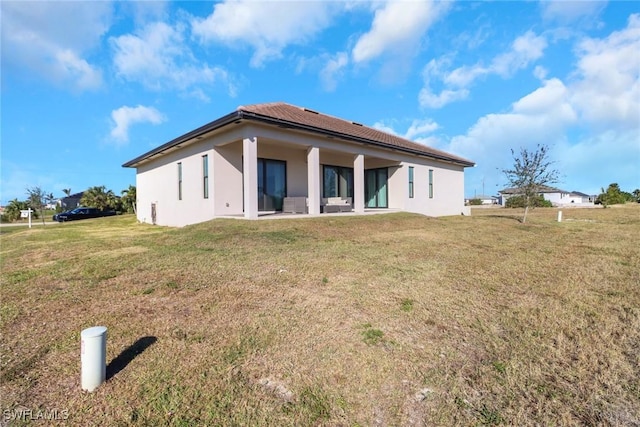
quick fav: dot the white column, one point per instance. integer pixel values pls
(313, 180)
(358, 183)
(250, 176)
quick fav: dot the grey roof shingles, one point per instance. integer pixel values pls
(287, 115)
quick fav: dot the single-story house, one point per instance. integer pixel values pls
(554, 195)
(274, 156)
(585, 198)
(484, 199)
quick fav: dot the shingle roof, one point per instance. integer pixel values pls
(291, 116)
(323, 122)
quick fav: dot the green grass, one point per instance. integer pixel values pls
(331, 321)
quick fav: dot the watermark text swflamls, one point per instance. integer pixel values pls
(25, 414)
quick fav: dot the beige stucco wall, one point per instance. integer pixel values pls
(157, 180)
(448, 189)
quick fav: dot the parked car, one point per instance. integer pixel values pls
(83, 213)
(55, 216)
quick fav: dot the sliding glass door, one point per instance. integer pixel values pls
(375, 188)
(272, 184)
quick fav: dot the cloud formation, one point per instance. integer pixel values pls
(420, 130)
(570, 11)
(49, 39)
(158, 57)
(124, 117)
(267, 27)
(600, 99)
(397, 26)
(524, 50)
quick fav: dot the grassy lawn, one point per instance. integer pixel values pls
(382, 320)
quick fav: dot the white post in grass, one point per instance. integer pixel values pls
(93, 356)
(26, 213)
(559, 216)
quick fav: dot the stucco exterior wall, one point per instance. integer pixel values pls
(157, 183)
(448, 189)
(559, 199)
(227, 179)
(157, 179)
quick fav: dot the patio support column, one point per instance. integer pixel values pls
(250, 176)
(313, 180)
(358, 183)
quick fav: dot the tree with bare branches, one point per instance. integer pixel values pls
(531, 171)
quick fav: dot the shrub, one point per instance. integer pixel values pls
(475, 202)
(519, 202)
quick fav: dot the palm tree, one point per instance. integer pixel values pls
(129, 199)
(67, 191)
(99, 197)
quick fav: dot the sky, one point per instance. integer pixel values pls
(89, 85)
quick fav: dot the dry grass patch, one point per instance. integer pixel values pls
(380, 320)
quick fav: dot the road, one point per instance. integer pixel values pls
(26, 224)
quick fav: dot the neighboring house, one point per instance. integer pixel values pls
(585, 198)
(556, 196)
(252, 159)
(71, 202)
(486, 200)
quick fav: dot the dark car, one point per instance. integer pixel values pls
(83, 213)
(55, 216)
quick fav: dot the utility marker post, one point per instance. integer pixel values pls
(93, 357)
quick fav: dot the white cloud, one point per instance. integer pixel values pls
(592, 122)
(540, 72)
(420, 127)
(158, 57)
(432, 100)
(124, 117)
(332, 70)
(427, 97)
(397, 26)
(419, 130)
(524, 50)
(599, 160)
(606, 89)
(570, 11)
(268, 27)
(50, 38)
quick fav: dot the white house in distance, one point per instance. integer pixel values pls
(556, 196)
(269, 157)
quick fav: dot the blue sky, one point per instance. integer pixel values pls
(87, 86)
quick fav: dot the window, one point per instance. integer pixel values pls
(337, 182)
(431, 183)
(179, 181)
(205, 176)
(411, 182)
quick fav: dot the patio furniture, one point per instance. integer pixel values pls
(294, 205)
(336, 204)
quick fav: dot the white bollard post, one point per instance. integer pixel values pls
(559, 216)
(93, 356)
